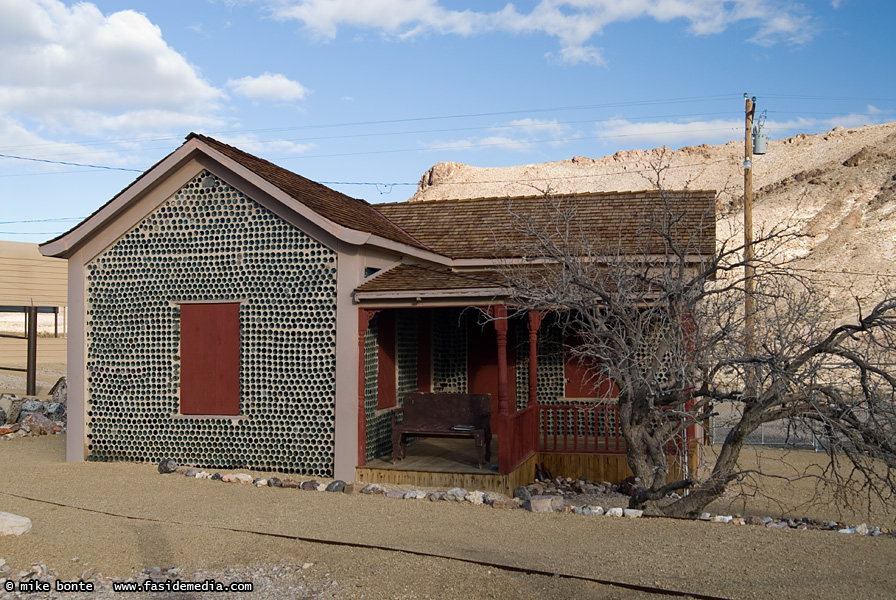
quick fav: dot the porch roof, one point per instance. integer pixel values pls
(409, 281)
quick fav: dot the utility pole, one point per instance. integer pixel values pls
(749, 308)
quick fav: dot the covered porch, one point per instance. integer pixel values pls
(423, 329)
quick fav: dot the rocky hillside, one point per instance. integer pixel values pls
(837, 188)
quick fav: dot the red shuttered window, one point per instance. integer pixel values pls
(210, 359)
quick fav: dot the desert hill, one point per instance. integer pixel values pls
(836, 188)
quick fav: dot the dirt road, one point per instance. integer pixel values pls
(118, 519)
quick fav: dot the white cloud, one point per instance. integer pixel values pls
(719, 131)
(76, 69)
(576, 55)
(143, 122)
(403, 18)
(269, 86)
(17, 140)
(522, 135)
(483, 143)
(572, 22)
(539, 127)
(250, 143)
(665, 133)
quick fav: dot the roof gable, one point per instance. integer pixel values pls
(319, 201)
(332, 205)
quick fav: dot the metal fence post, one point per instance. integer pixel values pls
(31, 366)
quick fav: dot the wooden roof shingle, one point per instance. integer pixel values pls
(334, 206)
(404, 278)
(337, 207)
(482, 228)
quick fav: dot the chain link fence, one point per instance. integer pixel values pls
(779, 434)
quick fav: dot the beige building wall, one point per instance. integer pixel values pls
(28, 277)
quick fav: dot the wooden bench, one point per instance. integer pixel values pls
(443, 415)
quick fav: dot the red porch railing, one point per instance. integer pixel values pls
(517, 438)
(580, 428)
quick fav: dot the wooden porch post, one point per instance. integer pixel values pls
(364, 317)
(534, 323)
(500, 320)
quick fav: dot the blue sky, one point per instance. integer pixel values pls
(370, 92)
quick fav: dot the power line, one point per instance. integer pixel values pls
(393, 151)
(59, 162)
(496, 144)
(418, 119)
(809, 97)
(463, 115)
(60, 219)
(422, 131)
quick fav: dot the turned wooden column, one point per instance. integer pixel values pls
(500, 320)
(534, 323)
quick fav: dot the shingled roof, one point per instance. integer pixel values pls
(477, 228)
(337, 207)
(482, 228)
(404, 278)
(343, 210)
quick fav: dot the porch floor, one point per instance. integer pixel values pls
(439, 455)
(443, 463)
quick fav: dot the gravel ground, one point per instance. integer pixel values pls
(118, 519)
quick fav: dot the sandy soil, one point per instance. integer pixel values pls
(13, 382)
(15, 323)
(120, 518)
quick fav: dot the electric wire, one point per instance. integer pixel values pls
(59, 162)
(416, 119)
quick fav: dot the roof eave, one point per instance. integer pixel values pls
(492, 292)
(65, 245)
(408, 250)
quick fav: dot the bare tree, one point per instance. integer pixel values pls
(666, 325)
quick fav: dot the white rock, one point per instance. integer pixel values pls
(862, 529)
(261, 482)
(241, 478)
(705, 516)
(615, 512)
(597, 511)
(632, 513)
(321, 487)
(11, 524)
(846, 530)
(721, 519)
(474, 497)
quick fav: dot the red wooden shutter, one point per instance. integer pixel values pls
(386, 387)
(210, 359)
(583, 379)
